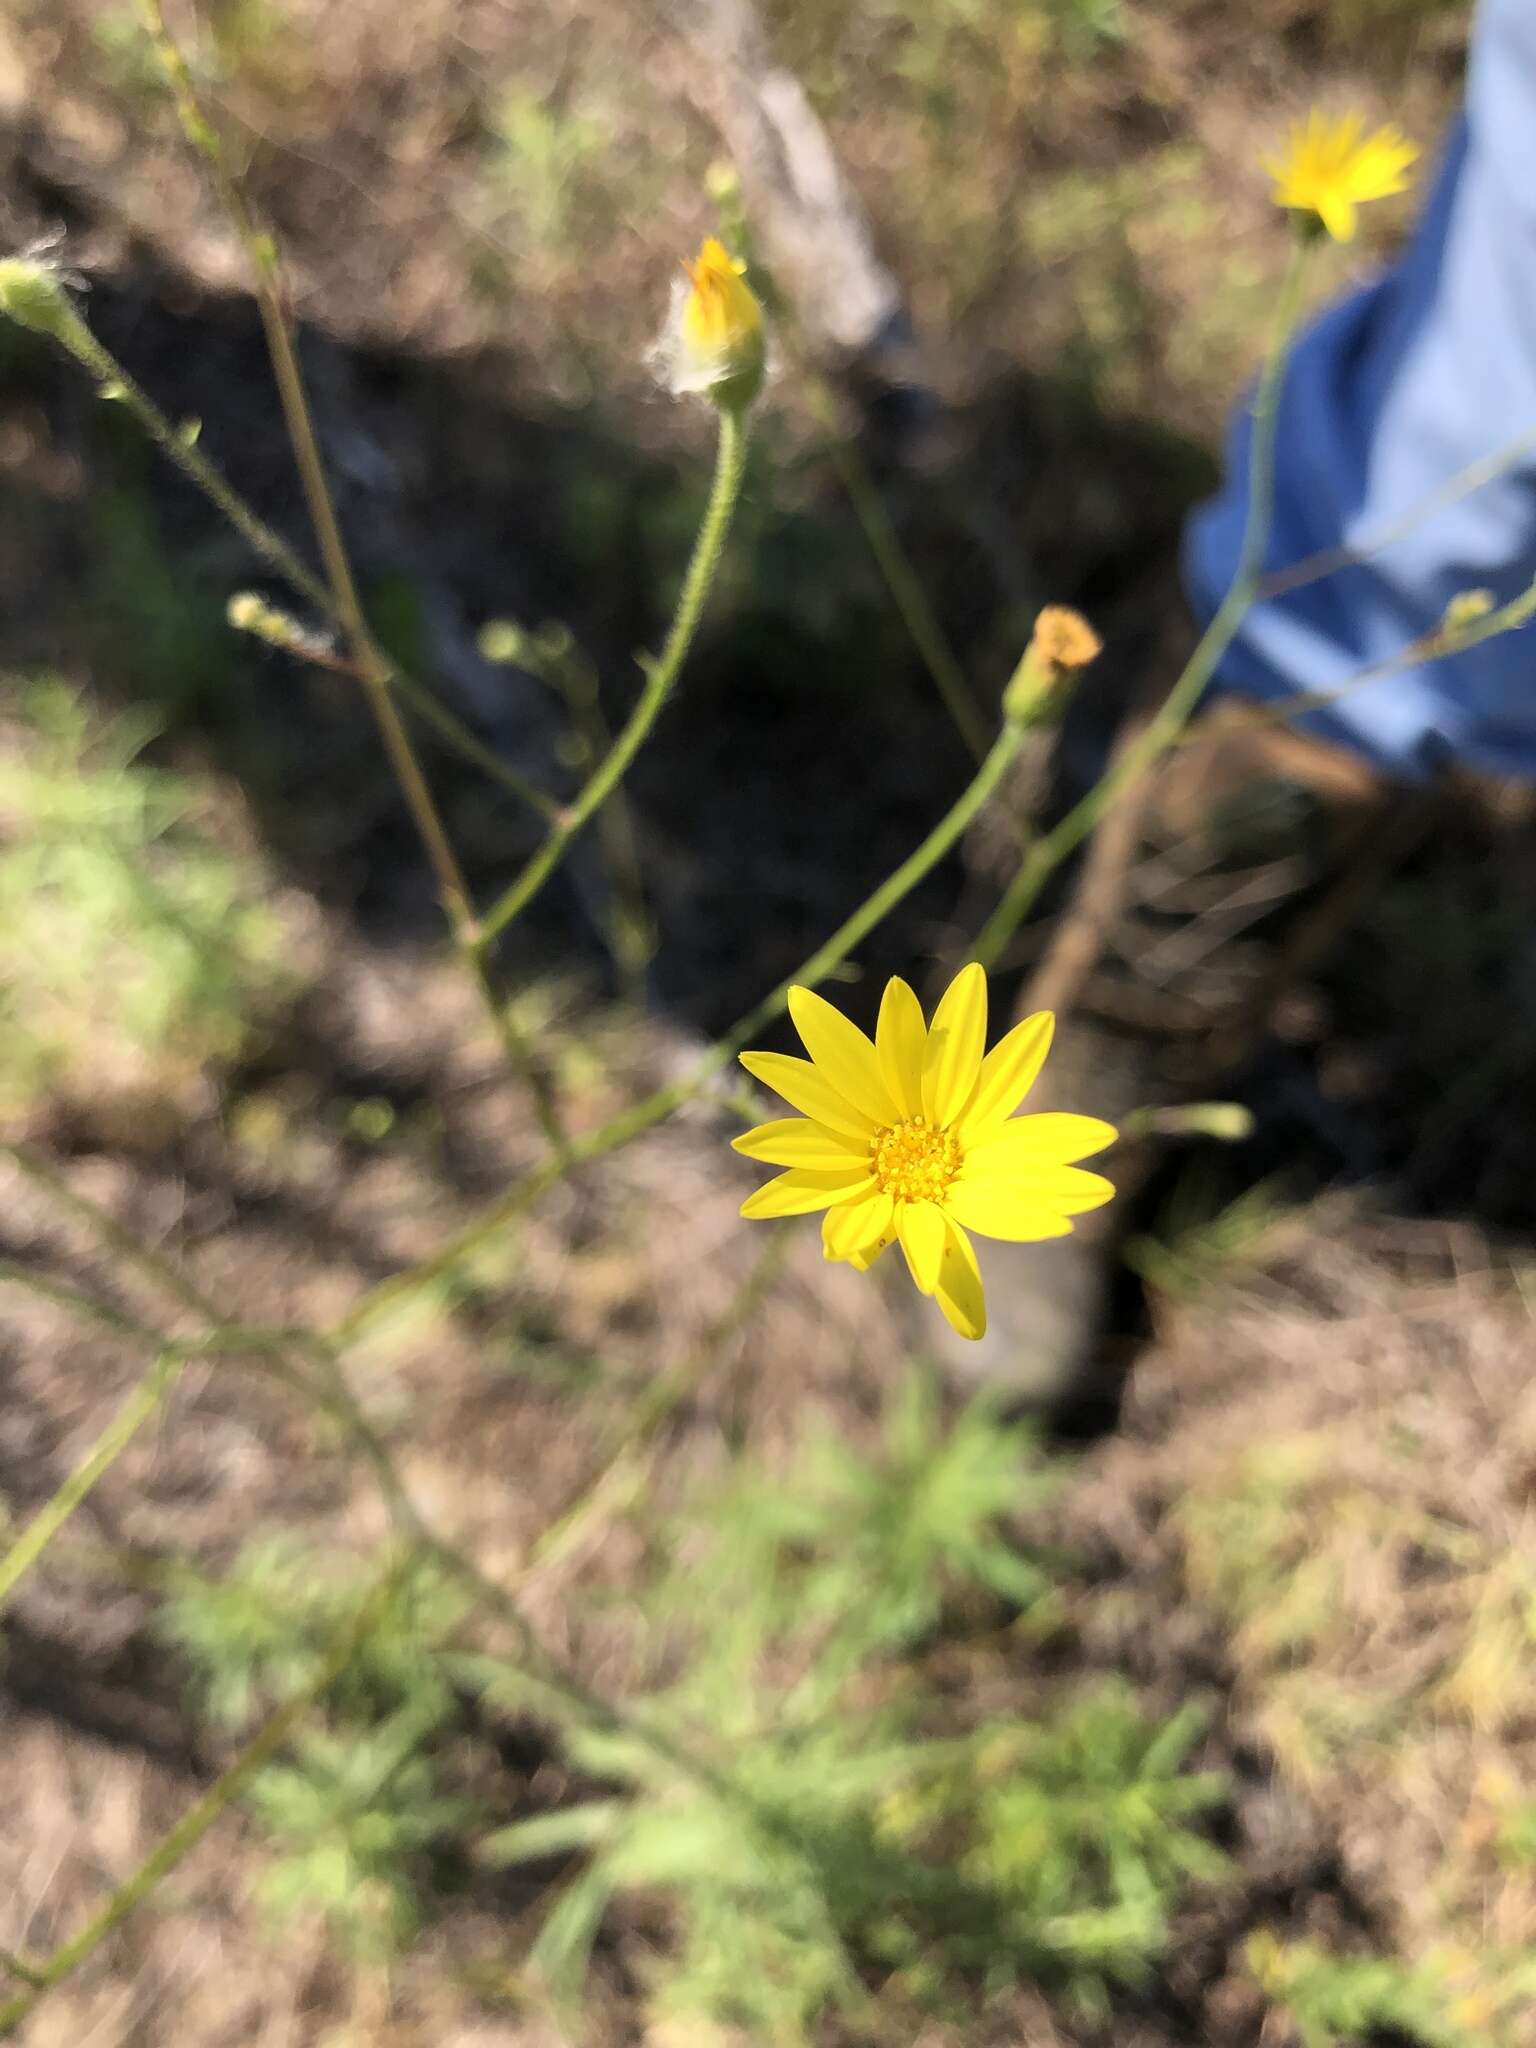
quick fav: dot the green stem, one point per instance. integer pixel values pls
(627, 928)
(373, 669)
(195, 1823)
(453, 732)
(106, 1226)
(77, 1302)
(372, 666)
(661, 1398)
(641, 1116)
(1047, 853)
(897, 885)
(146, 1398)
(660, 676)
(907, 593)
(113, 381)
(1438, 644)
(519, 1054)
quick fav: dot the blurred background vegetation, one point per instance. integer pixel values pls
(1207, 1717)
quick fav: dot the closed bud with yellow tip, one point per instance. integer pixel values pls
(714, 345)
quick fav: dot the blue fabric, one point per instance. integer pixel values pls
(1390, 393)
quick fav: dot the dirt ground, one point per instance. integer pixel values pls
(1313, 1510)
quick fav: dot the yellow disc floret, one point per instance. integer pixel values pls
(915, 1161)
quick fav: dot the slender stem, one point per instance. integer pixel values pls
(660, 677)
(661, 1398)
(114, 382)
(899, 884)
(1485, 470)
(1052, 848)
(641, 1116)
(145, 1400)
(196, 1821)
(519, 1054)
(627, 929)
(150, 1263)
(452, 730)
(1438, 644)
(264, 541)
(77, 1302)
(907, 593)
(373, 667)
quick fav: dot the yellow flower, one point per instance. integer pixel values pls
(1329, 169)
(715, 343)
(911, 1139)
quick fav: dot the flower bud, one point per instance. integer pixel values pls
(502, 641)
(33, 295)
(714, 345)
(1062, 642)
(249, 612)
(1231, 1122)
(1465, 609)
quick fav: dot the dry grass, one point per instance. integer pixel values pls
(1324, 1489)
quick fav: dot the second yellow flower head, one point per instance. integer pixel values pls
(1330, 168)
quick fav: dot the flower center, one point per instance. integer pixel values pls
(915, 1161)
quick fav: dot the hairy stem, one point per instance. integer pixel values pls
(660, 677)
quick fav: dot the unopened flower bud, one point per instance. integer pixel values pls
(502, 641)
(1465, 609)
(714, 346)
(33, 295)
(1231, 1122)
(249, 612)
(1062, 642)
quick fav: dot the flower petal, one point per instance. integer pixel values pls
(1336, 210)
(1007, 1074)
(959, 1291)
(1070, 1189)
(843, 1054)
(796, 1141)
(920, 1226)
(956, 1040)
(1054, 1138)
(854, 1227)
(862, 1261)
(901, 1039)
(799, 1192)
(1020, 1214)
(806, 1088)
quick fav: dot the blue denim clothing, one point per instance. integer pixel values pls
(1390, 393)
